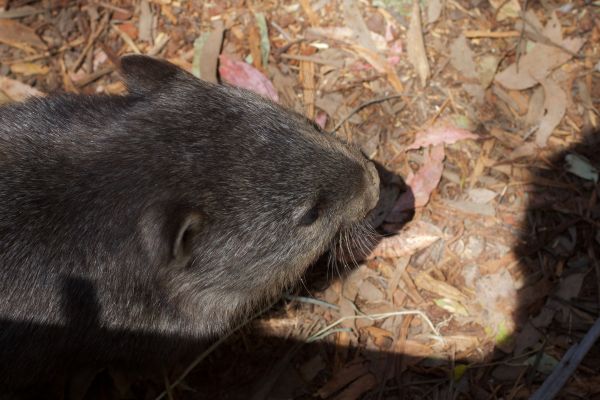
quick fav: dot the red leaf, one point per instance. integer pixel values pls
(241, 74)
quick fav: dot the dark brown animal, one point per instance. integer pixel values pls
(169, 212)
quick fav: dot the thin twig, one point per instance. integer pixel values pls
(366, 104)
(567, 366)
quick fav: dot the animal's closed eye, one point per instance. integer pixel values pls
(311, 216)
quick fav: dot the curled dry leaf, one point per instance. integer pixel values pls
(416, 236)
(439, 134)
(423, 182)
(241, 74)
(416, 46)
(555, 107)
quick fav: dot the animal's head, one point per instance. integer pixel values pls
(258, 192)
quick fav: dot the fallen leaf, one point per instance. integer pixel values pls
(416, 46)
(544, 365)
(16, 90)
(198, 46)
(536, 106)
(17, 35)
(555, 107)
(452, 306)
(355, 21)
(345, 34)
(381, 65)
(423, 182)
(537, 64)
(434, 10)
(524, 150)
(370, 292)
(145, 22)
(206, 57)
(506, 9)
(429, 283)
(481, 195)
(29, 69)
(487, 67)
(470, 207)
(581, 166)
(462, 57)
(441, 133)
(415, 236)
(241, 74)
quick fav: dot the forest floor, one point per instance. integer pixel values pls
(489, 111)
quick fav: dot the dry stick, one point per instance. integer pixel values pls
(567, 365)
(91, 41)
(366, 104)
(205, 354)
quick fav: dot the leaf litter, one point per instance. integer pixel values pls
(486, 115)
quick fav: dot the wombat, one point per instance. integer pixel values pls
(168, 212)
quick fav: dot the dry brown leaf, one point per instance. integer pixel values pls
(462, 57)
(17, 35)
(506, 9)
(423, 182)
(210, 53)
(355, 21)
(370, 292)
(414, 237)
(440, 133)
(434, 10)
(416, 46)
(537, 64)
(344, 34)
(313, 17)
(524, 150)
(145, 21)
(29, 69)
(307, 79)
(555, 107)
(416, 349)
(470, 207)
(16, 90)
(381, 65)
(442, 289)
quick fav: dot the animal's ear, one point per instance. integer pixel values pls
(184, 237)
(144, 74)
(168, 234)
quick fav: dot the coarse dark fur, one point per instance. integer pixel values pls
(168, 212)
